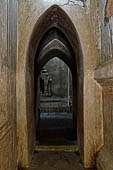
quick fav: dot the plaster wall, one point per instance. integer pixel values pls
(8, 54)
(106, 34)
(104, 75)
(58, 71)
(105, 156)
(91, 122)
(109, 8)
(94, 12)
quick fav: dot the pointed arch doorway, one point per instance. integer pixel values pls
(55, 44)
(53, 18)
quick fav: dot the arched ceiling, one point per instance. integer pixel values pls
(55, 44)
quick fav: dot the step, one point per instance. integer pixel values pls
(56, 148)
(55, 109)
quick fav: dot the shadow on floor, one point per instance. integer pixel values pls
(56, 129)
(56, 161)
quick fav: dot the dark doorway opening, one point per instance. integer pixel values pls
(56, 118)
(55, 90)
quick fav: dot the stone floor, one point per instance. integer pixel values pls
(56, 161)
(56, 128)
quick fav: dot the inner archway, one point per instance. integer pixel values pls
(56, 124)
(54, 43)
(37, 56)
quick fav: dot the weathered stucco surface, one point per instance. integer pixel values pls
(8, 51)
(58, 71)
(106, 35)
(93, 21)
(90, 138)
(104, 75)
(105, 156)
(109, 8)
(94, 11)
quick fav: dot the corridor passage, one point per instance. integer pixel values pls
(56, 129)
(56, 161)
(56, 122)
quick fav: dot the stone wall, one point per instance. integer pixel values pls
(90, 139)
(107, 39)
(58, 71)
(8, 54)
(104, 76)
(94, 12)
(106, 34)
(93, 42)
(108, 8)
(102, 21)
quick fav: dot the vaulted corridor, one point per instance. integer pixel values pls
(52, 46)
(56, 84)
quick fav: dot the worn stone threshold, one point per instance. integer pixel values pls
(56, 148)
